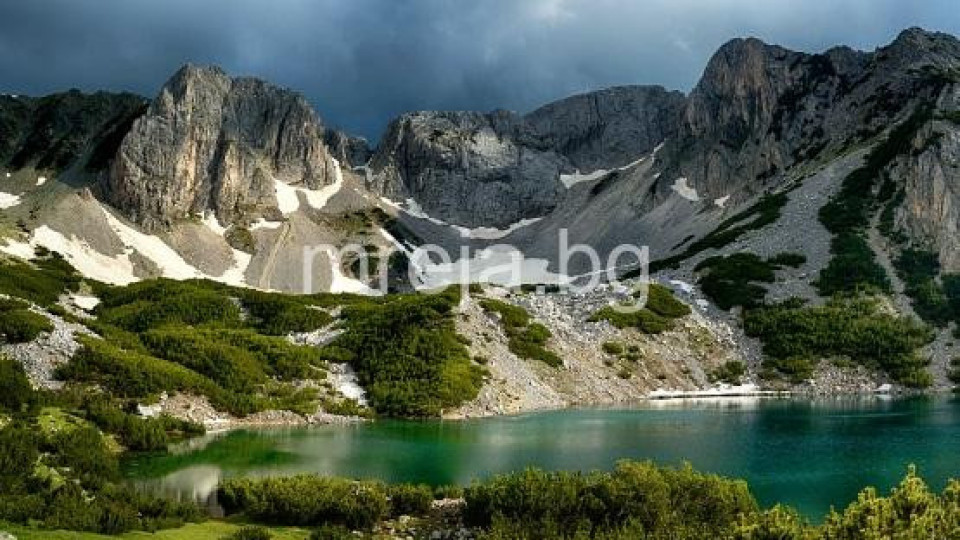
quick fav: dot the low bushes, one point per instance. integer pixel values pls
(657, 501)
(854, 328)
(407, 354)
(644, 320)
(18, 324)
(526, 339)
(729, 373)
(306, 500)
(732, 281)
(16, 393)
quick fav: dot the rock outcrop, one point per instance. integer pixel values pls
(761, 109)
(467, 168)
(210, 142)
(348, 150)
(608, 128)
(494, 169)
(56, 131)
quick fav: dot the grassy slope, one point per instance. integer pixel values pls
(210, 530)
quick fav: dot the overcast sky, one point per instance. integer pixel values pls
(361, 62)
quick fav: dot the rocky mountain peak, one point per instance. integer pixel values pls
(916, 48)
(212, 142)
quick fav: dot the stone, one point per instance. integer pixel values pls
(212, 142)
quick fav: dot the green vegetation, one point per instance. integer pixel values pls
(656, 316)
(660, 502)
(794, 336)
(526, 339)
(731, 281)
(20, 325)
(613, 347)
(793, 260)
(729, 373)
(58, 471)
(306, 500)
(42, 281)
(407, 354)
(766, 211)
(847, 216)
(919, 270)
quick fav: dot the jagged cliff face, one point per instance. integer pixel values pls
(471, 169)
(495, 169)
(56, 131)
(210, 142)
(608, 128)
(761, 109)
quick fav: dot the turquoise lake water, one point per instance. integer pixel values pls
(810, 454)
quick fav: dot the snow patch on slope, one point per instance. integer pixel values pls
(88, 261)
(288, 199)
(684, 190)
(8, 200)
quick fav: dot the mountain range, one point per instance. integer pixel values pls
(782, 176)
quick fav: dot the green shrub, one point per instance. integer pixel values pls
(729, 373)
(16, 393)
(613, 347)
(661, 301)
(233, 368)
(851, 327)
(511, 316)
(150, 304)
(657, 500)
(409, 499)
(793, 260)
(42, 281)
(250, 532)
(406, 353)
(278, 314)
(22, 325)
(644, 320)
(730, 281)
(306, 500)
(526, 339)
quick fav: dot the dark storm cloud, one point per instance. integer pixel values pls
(363, 61)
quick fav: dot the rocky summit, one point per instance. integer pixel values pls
(209, 142)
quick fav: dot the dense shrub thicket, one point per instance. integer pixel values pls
(794, 335)
(733, 281)
(42, 281)
(407, 353)
(526, 339)
(20, 325)
(67, 478)
(657, 501)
